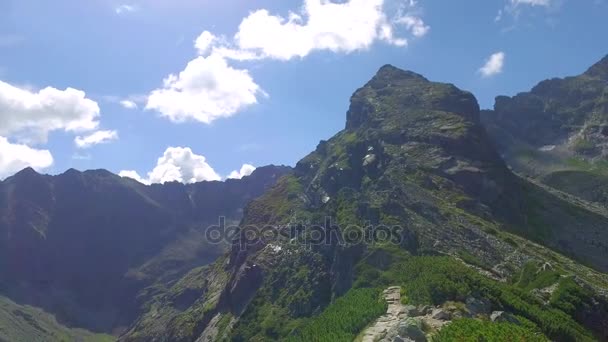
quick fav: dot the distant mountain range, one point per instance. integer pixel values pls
(87, 246)
(490, 223)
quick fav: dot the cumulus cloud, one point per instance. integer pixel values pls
(493, 65)
(204, 42)
(322, 25)
(95, 138)
(128, 104)
(207, 89)
(31, 115)
(178, 164)
(245, 170)
(15, 157)
(134, 175)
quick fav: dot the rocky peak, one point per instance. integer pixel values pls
(25, 175)
(599, 69)
(393, 92)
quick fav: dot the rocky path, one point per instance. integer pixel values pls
(390, 320)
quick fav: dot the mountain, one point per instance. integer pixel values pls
(411, 198)
(558, 132)
(89, 247)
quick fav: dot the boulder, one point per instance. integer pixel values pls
(440, 314)
(477, 306)
(424, 309)
(501, 316)
(411, 311)
(412, 329)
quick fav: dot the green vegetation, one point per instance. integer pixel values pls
(582, 164)
(435, 280)
(583, 145)
(569, 296)
(223, 323)
(473, 260)
(589, 185)
(465, 330)
(25, 323)
(277, 205)
(343, 319)
(533, 277)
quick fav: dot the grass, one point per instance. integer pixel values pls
(25, 323)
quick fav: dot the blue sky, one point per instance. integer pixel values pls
(261, 85)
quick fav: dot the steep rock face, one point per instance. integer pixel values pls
(557, 132)
(414, 158)
(82, 245)
(570, 114)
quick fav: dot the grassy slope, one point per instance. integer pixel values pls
(27, 324)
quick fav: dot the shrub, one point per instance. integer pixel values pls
(343, 319)
(465, 330)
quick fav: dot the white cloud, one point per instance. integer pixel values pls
(133, 175)
(177, 164)
(124, 9)
(207, 89)
(246, 170)
(204, 42)
(322, 25)
(415, 25)
(128, 104)
(32, 115)
(15, 157)
(494, 65)
(95, 138)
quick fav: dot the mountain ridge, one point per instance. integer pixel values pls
(413, 155)
(82, 244)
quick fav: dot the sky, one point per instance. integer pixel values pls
(192, 90)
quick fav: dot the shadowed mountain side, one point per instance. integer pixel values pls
(82, 245)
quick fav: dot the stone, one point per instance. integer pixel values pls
(424, 310)
(411, 311)
(440, 314)
(369, 159)
(501, 316)
(411, 328)
(477, 306)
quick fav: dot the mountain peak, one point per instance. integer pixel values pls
(389, 71)
(28, 171)
(599, 69)
(393, 93)
(25, 175)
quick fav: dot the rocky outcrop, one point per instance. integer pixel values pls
(557, 132)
